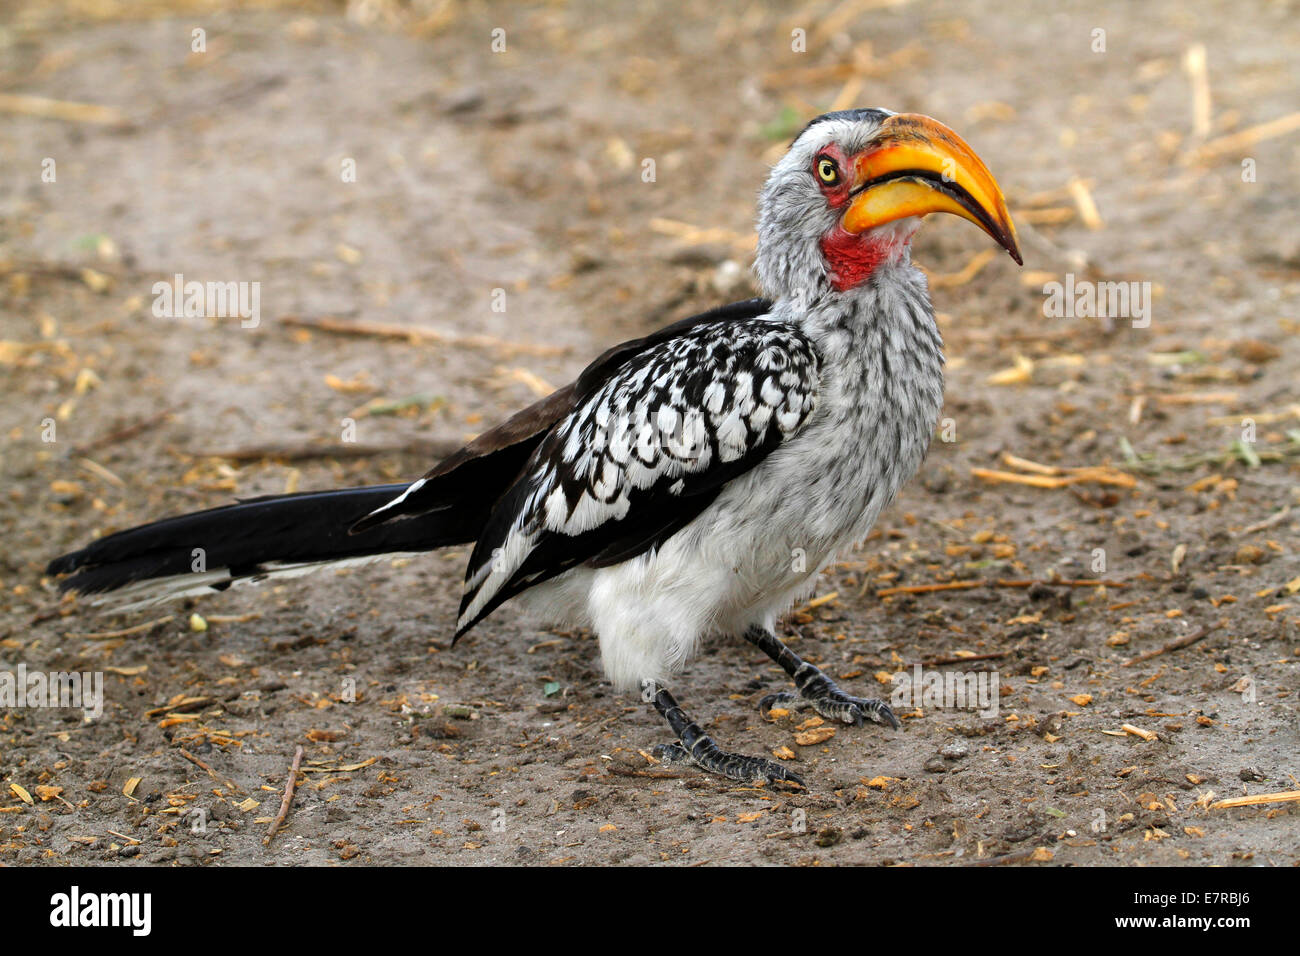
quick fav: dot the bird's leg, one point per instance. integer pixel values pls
(695, 745)
(815, 688)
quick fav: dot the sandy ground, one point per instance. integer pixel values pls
(521, 171)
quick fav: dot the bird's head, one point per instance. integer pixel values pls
(847, 197)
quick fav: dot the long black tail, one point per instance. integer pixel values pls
(254, 539)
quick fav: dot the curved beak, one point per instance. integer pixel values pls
(917, 166)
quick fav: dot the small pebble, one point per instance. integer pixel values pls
(829, 836)
(954, 751)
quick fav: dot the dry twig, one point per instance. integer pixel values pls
(125, 632)
(1187, 640)
(999, 583)
(120, 434)
(289, 785)
(1235, 143)
(416, 334)
(66, 110)
(1286, 796)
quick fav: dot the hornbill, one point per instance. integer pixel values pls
(691, 482)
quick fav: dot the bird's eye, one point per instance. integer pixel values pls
(827, 171)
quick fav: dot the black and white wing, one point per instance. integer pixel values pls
(643, 454)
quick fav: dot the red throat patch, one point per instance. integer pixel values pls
(852, 259)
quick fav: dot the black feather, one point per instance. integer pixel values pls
(299, 528)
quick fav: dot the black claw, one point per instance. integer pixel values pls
(833, 704)
(751, 769)
(671, 753)
(887, 714)
(771, 700)
(781, 775)
(877, 711)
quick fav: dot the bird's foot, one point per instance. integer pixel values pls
(836, 705)
(694, 745)
(708, 756)
(816, 690)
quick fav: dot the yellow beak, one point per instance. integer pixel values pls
(918, 166)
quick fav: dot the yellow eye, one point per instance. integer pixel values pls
(827, 171)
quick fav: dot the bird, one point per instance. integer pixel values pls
(687, 484)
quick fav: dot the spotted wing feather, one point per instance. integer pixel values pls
(643, 455)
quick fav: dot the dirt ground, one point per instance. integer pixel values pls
(521, 171)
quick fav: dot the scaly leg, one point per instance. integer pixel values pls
(697, 746)
(815, 688)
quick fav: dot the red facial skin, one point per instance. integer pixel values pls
(851, 259)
